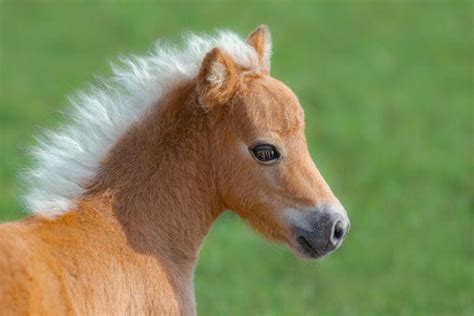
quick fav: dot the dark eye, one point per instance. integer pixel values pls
(265, 153)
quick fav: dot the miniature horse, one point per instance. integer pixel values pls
(124, 196)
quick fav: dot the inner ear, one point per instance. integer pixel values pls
(261, 41)
(217, 79)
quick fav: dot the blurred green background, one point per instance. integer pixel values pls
(388, 91)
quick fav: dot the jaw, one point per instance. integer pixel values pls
(310, 233)
(299, 247)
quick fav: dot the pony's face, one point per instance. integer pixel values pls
(261, 160)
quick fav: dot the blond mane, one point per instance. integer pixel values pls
(67, 158)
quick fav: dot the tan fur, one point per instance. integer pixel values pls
(259, 40)
(212, 92)
(132, 243)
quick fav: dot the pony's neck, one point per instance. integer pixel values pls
(158, 181)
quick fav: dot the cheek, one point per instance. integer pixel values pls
(235, 173)
(253, 191)
(245, 183)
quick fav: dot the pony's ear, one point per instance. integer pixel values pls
(217, 79)
(261, 41)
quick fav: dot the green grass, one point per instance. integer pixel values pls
(388, 93)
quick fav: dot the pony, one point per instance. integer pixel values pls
(123, 196)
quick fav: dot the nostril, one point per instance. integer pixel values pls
(338, 230)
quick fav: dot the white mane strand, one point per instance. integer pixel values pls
(67, 158)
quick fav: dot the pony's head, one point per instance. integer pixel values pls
(260, 159)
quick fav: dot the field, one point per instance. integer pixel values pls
(387, 87)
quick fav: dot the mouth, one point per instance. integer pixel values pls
(315, 244)
(316, 234)
(304, 248)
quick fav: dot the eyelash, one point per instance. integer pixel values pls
(265, 153)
